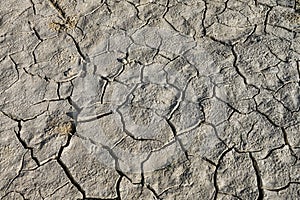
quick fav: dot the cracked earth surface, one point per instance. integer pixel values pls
(138, 99)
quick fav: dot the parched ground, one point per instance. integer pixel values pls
(141, 99)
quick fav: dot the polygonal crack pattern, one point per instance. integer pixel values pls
(138, 99)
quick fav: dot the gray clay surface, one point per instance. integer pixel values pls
(150, 99)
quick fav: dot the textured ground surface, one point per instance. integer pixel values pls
(138, 99)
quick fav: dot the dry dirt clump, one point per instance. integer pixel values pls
(60, 125)
(68, 24)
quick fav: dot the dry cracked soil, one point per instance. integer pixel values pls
(149, 99)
